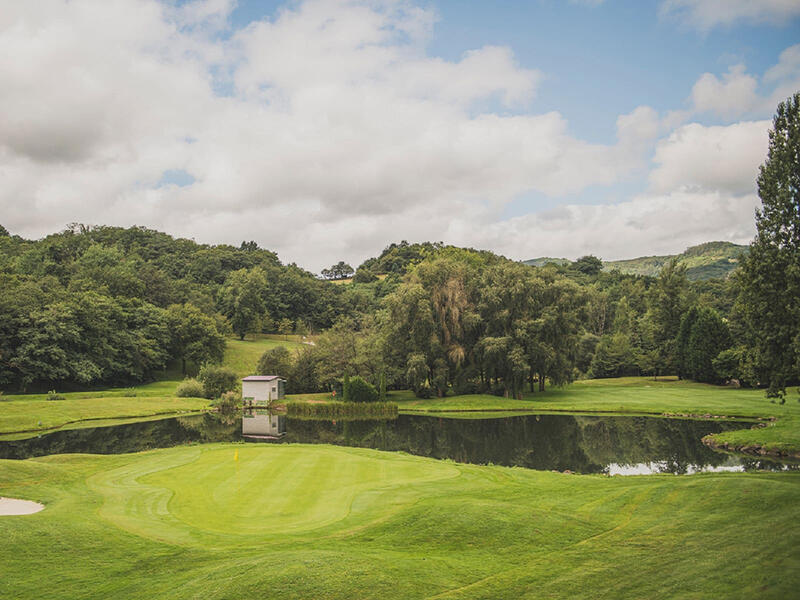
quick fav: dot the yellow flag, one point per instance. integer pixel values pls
(236, 455)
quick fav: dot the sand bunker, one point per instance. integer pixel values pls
(11, 506)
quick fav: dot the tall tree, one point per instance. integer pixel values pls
(195, 336)
(708, 337)
(241, 300)
(770, 273)
(668, 300)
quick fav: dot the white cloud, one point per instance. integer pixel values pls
(738, 94)
(732, 96)
(338, 134)
(649, 224)
(724, 159)
(707, 14)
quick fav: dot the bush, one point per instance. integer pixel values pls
(217, 380)
(277, 361)
(364, 276)
(423, 391)
(360, 390)
(190, 388)
(52, 395)
(229, 401)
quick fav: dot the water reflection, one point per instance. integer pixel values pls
(263, 424)
(613, 445)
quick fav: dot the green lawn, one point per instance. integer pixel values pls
(242, 520)
(639, 395)
(31, 415)
(242, 355)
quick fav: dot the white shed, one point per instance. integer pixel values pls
(262, 388)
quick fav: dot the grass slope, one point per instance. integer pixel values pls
(30, 415)
(328, 522)
(706, 261)
(242, 355)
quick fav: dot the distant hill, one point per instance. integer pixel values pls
(540, 262)
(712, 260)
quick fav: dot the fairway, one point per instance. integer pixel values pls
(303, 521)
(259, 490)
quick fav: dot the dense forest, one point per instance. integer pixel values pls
(107, 305)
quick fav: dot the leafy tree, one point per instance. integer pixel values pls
(770, 273)
(382, 387)
(340, 270)
(727, 364)
(190, 388)
(304, 377)
(217, 380)
(589, 265)
(682, 342)
(417, 372)
(364, 276)
(668, 300)
(285, 328)
(614, 357)
(241, 300)
(708, 337)
(195, 336)
(276, 361)
(301, 328)
(360, 390)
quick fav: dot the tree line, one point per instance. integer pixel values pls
(108, 305)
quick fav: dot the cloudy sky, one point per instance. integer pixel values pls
(326, 129)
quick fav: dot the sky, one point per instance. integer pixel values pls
(326, 129)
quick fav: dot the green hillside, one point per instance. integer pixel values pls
(542, 261)
(712, 260)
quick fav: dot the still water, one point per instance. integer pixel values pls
(581, 444)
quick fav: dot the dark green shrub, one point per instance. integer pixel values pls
(217, 380)
(190, 388)
(364, 276)
(424, 391)
(360, 390)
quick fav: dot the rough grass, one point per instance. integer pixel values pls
(643, 396)
(238, 521)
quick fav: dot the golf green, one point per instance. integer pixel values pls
(302, 521)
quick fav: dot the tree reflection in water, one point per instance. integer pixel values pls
(580, 444)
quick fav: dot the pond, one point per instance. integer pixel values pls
(581, 444)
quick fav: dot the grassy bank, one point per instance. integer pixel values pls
(242, 355)
(222, 521)
(643, 396)
(32, 415)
